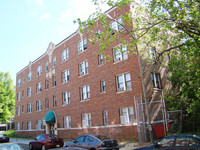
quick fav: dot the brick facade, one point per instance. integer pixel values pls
(111, 100)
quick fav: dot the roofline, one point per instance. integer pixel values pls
(107, 11)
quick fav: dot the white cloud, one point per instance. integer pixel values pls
(45, 16)
(39, 2)
(65, 14)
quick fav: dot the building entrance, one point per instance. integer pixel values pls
(51, 123)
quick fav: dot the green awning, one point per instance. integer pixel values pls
(50, 117)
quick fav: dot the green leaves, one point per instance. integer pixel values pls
(7, 97)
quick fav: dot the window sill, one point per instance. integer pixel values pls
(85, 100)
(83, 75)
(116, 62)
(65, 104)
(118, 92)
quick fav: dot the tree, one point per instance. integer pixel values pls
(171, 28)
(7, 97)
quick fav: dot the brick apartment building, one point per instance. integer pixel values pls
(74, 91)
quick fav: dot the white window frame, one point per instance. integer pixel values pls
(38, 105)
(120, 53)
(65, 76)
(18, 96)
(29, 92)
(156, 80)
(67, 122)
(54, 101)
(103, 86)
(19, 83)
(82, 45)
(127, 115)
(66, 98)
(29, 125)
(39, 71)
(46, 66)
(65, 55)
(29, 108)
(39, 125)
(105, 117)
(46, 102)
(54, 61)
(86, 120)
(29, 76)
(18, 111)
(18, 126)
(85, 92)
(101, 59)
(116, 26)
(39, 87)
(124, 84)
(83, 68)
(54, 81)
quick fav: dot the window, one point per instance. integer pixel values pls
(23, 93)
(124, 82)
(22, 108)
(19, 82)
(83, 67)
(156, 80)
(103, 86)
(65, 55)
(38, 126)
(29, 109)
(22, 125)
(100, 59)
(120, 53)
(67, 122)
(54, 81)
(38, 106)
(85, 93)
(152, 53)
(54, 61)
(54, 101)
(39, 70)
(39, 87)
(66, 98)
(86, 120)
(29, 92)
(105, 117)
(18, 111)
(29, 76)
(127, 115)
(18, 126)
(98, 33)
(46, 84)
(65, 76)
(29, 125)
(116, 25)
(18, 96)
(23, 79)
(47, 66)
(46, 103)
(82, 45)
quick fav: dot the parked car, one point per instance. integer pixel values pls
(4, 138)
(178, 142)
(45, 141)
(10, 146)
(94, 142)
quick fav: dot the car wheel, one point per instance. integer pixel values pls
(30, 147)
(43, 147)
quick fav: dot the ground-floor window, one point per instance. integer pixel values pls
(67, 122)
(29, 125)
(86, 120)
(127, 115)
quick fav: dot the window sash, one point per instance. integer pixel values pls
(54, 61)
(124, 82)
(120, 53)
(47, 103)
(29, 76)
(65, 76)
(105, 117)
(103, 86)
(54, 101)
(66, 98)
(47, 66)
(82, 45)
(86, 120)
(67, 122)
(127, 115)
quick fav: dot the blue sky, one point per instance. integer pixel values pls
(28, 26)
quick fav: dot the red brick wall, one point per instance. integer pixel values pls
(110, 101)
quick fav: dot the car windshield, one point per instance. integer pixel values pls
(102, 137)
(197, 136)
(2, 135)
(52, 136)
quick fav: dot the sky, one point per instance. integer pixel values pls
(28, 26)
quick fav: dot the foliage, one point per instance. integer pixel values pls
(10, 133)
(7, 97)
(170, 27)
